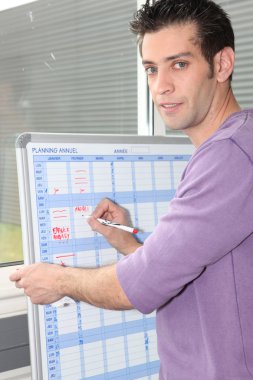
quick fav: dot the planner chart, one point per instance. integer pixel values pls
(61, 180)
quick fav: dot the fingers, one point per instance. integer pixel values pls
(38, 281)
(19, 275)
(18, 284)
(97, 226)
(105, 209)
(16, 275)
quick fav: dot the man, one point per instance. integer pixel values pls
(196, 268)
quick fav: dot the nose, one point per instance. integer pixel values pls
(163, 82)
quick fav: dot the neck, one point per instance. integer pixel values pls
(215, 119)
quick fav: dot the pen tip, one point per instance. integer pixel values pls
(135, 231)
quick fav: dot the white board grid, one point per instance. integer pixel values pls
(66, 181)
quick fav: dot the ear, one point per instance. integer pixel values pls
(224, 64)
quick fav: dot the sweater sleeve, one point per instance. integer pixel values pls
(210, 215)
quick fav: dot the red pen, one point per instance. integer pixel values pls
(109, 223)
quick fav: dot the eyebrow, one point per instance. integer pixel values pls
(170, 58)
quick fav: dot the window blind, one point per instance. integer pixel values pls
(241, 17)
(65, 66)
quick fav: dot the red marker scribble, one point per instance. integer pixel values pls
(58, 212)
(64, 257)
(81, 181)
(61, 233)
(79, 209)
(68, 255)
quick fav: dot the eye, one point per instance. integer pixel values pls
(151, 70)
(180, 65)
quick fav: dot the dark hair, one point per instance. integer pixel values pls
(214, 29)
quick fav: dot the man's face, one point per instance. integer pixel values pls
(179, 77)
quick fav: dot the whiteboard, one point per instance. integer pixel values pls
(61, 179)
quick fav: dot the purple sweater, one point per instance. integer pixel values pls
(196, 268)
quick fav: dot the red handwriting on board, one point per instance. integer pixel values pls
(62, 257)
(82, 209)
(61, 233)
(60, 214)
(81, 180)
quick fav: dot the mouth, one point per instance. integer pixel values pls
(170, 107)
